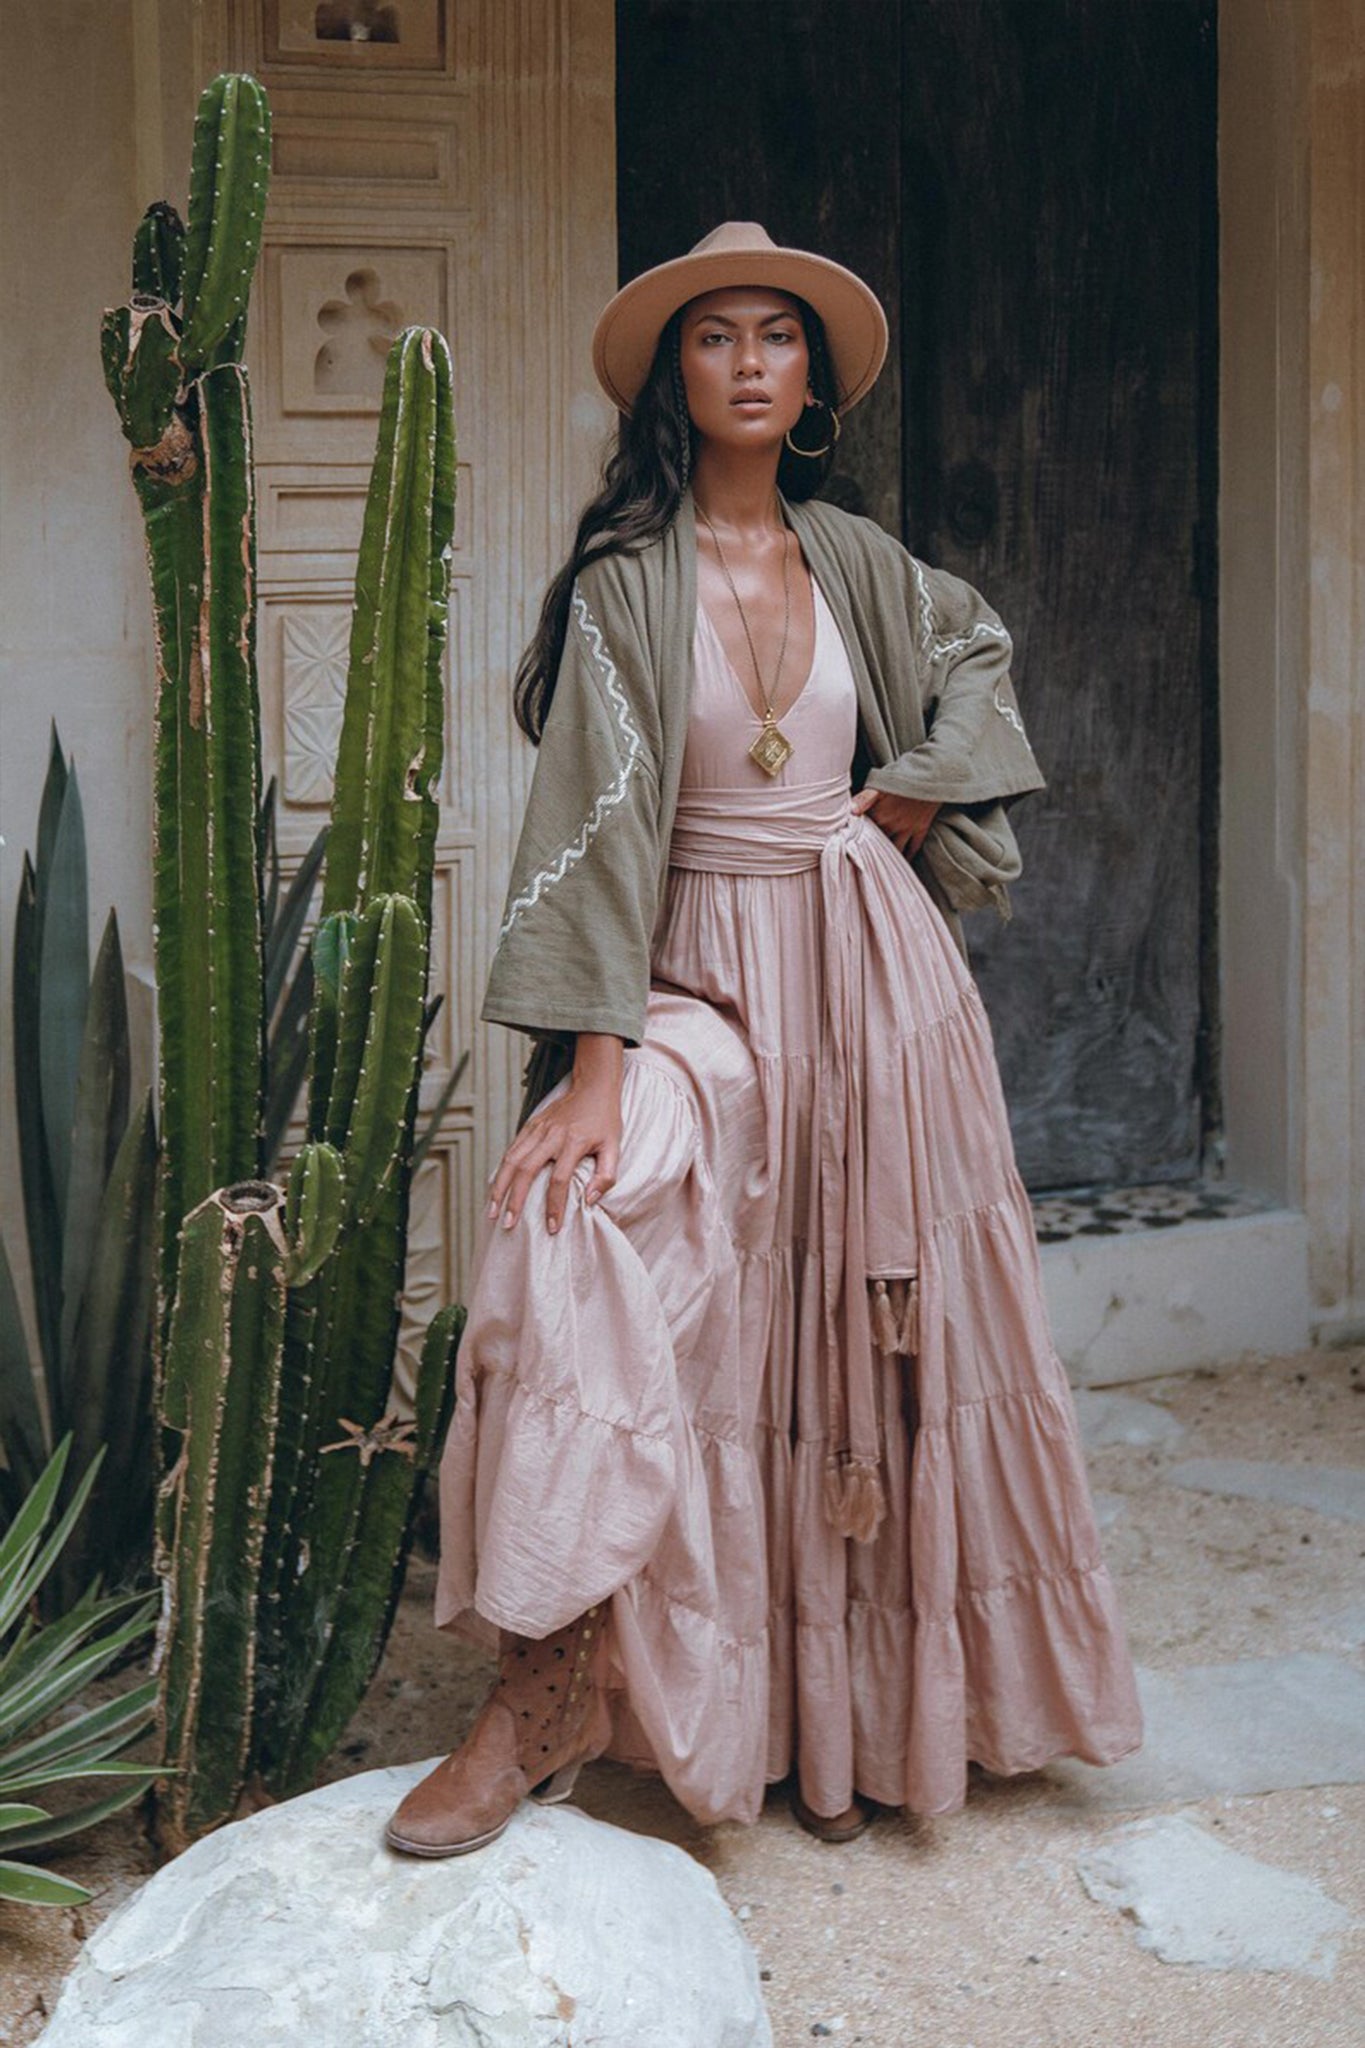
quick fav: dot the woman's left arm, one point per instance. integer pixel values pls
(944, 798)
(975, 749)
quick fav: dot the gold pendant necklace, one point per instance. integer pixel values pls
(772, 749)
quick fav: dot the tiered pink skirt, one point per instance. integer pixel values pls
(641, 1411)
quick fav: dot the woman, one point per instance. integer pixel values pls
(762, 1459)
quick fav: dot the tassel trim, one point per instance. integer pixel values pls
(895, 1315)
(855, 1502)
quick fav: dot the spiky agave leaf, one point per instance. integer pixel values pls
(43, 1670)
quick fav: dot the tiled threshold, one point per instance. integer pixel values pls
(1155, 1279)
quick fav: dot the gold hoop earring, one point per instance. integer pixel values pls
(813, 452)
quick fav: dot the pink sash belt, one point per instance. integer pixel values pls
(778, 831)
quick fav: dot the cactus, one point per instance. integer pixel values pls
(370, 960)
(229, 182)
(280, 1555)
(140, 345)
(219, 1403)
(159, 254)
(384, 813)
(383, 1535)
(335, 1529)
(313, 1211)
(184, 404)
(379, 1039)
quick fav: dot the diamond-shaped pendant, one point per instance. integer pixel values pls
(771, 749)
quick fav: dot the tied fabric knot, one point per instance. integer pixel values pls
(854, 1491)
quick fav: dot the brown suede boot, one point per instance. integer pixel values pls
(545, 1717)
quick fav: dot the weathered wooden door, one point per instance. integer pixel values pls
(1029, 185)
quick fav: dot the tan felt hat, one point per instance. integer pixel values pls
(739, 252)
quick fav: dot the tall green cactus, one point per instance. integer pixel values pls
(371, 961)
(175, 374)
(288, 1486)
(345, 1476)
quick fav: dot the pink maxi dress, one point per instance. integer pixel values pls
(642, 1408)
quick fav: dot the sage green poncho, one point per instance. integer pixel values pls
(937, 719)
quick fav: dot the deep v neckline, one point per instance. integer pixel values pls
(817, 596)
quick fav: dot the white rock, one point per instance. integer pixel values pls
(1196, 1901)
(299, 1925)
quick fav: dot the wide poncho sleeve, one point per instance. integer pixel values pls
(976, 758)
(572, 949)
(975, 749)
(940, 658)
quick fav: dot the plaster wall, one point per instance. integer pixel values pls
(74, 637)
(1292, 556)
(1333, 1123)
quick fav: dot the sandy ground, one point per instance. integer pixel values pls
(972, 1931)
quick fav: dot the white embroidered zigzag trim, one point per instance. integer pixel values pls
(546, 877)
(1010, 715)
(932, 647)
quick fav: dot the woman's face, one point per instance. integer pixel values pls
(745, 364)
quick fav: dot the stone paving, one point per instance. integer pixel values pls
(1208, 1893)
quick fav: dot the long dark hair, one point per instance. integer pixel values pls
(643, 480)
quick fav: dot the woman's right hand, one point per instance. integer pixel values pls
(584, 1120)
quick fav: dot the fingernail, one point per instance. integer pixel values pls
(553, 1226)
(492, 1209)
(508, 1219)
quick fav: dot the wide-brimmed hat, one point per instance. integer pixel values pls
(740, 252)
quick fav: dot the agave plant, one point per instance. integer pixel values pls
(88, 1169)
(89, 1166)
(43, 1669)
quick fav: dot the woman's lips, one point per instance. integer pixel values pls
(752, 399)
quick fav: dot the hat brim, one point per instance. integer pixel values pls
(628, 329)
